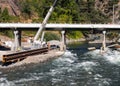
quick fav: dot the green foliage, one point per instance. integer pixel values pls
(88, 13)
(75, 34)
(66, 11)
(113, 35)
(5, 17)
(51, 36)
(8, 33)
(29, 33)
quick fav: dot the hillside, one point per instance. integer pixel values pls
(82, 11)
(106, 7)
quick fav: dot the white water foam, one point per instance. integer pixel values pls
(71, 56)
(93, 54)
(5, 82)
(66, 60)
(68, 53)
(98, 80)
(112, 56)
(55, 80)
(26, 79)
(67, 63)
(87, 66)
(101, 81)
(32, 77)
(83, 66)
(57, 71)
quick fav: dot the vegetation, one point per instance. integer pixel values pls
(69, 11)
(114, 36)
(5, 17)
(51, 36)
(75, 34)
(8, 33)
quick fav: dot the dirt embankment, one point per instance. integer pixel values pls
(5, 38)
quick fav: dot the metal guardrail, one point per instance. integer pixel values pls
(14, 57)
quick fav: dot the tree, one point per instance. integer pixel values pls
(113, 36)
(5, 16)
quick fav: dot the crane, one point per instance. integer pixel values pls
(44, 21)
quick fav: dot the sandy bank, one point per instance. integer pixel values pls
(37, 58)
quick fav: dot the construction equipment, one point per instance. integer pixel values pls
(44, 22)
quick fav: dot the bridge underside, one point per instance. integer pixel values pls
(61, 29)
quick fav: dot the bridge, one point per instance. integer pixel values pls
(18, 27)
(52, 26)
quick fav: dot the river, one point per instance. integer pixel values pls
(77, 67)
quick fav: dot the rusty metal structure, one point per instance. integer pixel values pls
(15, 57)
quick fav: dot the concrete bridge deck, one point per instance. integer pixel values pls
(61, 26)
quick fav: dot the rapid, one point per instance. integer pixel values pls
(77, 67)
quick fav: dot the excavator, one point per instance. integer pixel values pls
(39, 42)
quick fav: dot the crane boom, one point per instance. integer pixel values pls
(45, 21)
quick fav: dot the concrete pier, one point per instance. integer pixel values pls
(63, 46)
(17, 41)
(103, 49)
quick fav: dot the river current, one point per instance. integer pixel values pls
(77, 67)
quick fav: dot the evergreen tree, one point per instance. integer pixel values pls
(5, 15)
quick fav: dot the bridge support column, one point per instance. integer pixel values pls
(63, 46)
(103, 48)
(17, 40)
(65, 38)
(104, 42)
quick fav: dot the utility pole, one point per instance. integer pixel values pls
(113, 20)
